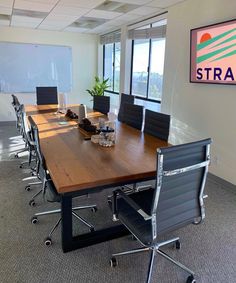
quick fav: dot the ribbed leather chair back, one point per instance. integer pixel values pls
(46, 95)
(157, 124)
(125, 98)
(101, 104)
(50, 193)
(35, 137)
(133, 115)
(177, 202)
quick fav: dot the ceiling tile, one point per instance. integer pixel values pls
(144, 10)
(33, 6)
(6, 3)
(75, 29)
(125, 19)
(5, 10)
(136, 2)
(90, 4)
(50, 27)
(163, 3)
(103, 14)
(62, 18)
(24, 24)
(22, 19)
(69, 10)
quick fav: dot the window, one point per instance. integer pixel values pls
(111, 65)
(148, 53)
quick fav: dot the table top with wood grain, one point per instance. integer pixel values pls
(76, 164)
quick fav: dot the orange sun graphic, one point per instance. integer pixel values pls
(205, 37)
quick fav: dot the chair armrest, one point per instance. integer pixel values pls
(132, 203)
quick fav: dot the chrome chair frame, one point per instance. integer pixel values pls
(156, 245)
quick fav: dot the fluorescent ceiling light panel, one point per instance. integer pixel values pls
(33, 6)
(88, 23)
(103, 14)
(116, 7)
(27, 13)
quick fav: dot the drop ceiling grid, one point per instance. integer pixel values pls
(62, 14)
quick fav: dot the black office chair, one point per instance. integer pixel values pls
(176, 201)
(101, 104)
(27, 136)
(133, 115)
(49, 190)
(157, 124)
(46, 95)
(125, 98)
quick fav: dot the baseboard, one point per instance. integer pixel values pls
(221, 182)
(7, 123)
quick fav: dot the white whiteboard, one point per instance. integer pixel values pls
(25, 66)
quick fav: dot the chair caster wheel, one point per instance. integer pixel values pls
(92, 229)
(48, 241)
(113, 262)
(21, 166)
(16, 155)
(94, 209)
(32, 202)
(27, 188)
(34, 220)
(191, 279)
(178, 245)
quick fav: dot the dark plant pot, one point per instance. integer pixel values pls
(101, 103)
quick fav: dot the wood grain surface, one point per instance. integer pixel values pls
(76, 164)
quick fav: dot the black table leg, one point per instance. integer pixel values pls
(70, 243)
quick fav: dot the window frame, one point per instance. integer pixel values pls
(148, 72)
(113, 67)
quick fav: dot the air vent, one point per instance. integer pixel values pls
(31, 14)
(88, 23)
(116, 7)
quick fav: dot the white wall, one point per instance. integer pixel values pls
(84, 60)
(199, 110)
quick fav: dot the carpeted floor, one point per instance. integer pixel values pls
(209, 249)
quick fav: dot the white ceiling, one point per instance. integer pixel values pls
(87, 16)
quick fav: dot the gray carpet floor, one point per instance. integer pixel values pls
(209, 249)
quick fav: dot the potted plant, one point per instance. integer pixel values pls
(101, 102)
(99, 87)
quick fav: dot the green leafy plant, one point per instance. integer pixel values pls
(99, 87)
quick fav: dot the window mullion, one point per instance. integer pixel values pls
(149, 61)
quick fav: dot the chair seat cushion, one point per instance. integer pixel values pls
(141, 228)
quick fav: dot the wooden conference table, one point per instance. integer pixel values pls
(78, 166)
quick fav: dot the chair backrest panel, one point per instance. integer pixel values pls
(101, 104)
(46, 95)
(133, 115)
(157, 124)
(177, 198)
(125, 98)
